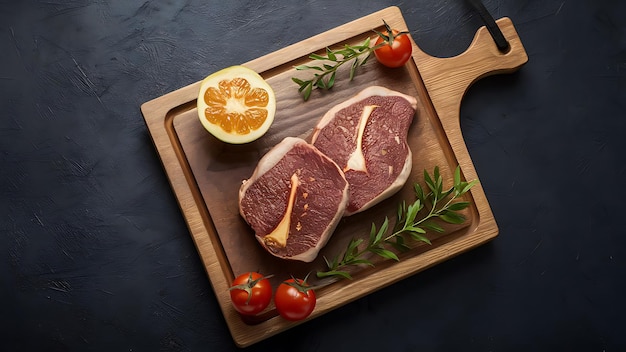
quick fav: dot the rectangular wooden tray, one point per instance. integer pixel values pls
(205, 174)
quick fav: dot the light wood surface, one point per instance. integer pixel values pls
(205, 174)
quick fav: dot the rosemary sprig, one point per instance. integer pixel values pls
(325, 75)
(433, 202)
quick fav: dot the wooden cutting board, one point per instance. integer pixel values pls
(205, 174)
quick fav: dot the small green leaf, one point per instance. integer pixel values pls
(307, 91)
(355, 64)
(415, 229)
(332, 265)
(432, 226)
(383, 229)
(419, 205)
(385, 253)
(447, 193)
(297, 81)
(373, 233)
(331, 54)
(429, 182)
(438, 183)
(331, 80)
(317, 57)
(401, 210)
(436, 174)
(419, 192)
(340, 273)
(452, 217)
(353, 246)
(412, 213)
(361, 261)
(418, 237)
(457, 176)
(307, 67)
(347, 52)
(458, 206)
(469, 186)
(366, 58)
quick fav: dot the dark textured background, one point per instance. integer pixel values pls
(96, 255)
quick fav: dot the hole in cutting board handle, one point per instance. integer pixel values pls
(492, 27)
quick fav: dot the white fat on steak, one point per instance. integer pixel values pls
(294, 200)
(366, 136)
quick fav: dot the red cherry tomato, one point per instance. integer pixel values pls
(396, 54)
(294, 299)
(250, 293)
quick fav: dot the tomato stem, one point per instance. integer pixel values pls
(249, 284)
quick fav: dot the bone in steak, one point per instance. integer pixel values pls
(294, 200)
(367, 137)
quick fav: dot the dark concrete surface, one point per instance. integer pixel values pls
(96, 254)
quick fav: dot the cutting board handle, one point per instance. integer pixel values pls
(448, 79)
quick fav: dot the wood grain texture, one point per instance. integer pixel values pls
(205, 173)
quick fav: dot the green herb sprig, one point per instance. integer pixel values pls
(433, 202)
(325, 75)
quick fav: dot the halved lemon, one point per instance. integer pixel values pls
(236, 105)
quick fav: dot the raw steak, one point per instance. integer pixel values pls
(294, 200)
(367, 137)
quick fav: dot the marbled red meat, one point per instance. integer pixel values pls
(367, 137)
(294, 200)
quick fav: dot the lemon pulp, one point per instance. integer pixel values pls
(236, 105)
